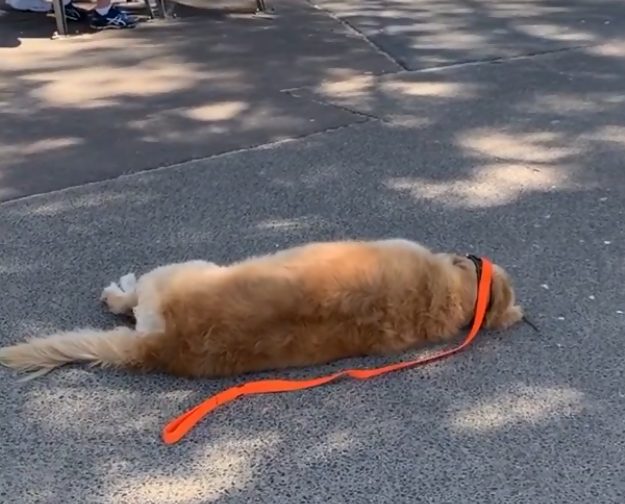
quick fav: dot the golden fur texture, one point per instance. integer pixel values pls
(307, 305)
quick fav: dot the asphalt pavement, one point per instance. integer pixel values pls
(491, 127)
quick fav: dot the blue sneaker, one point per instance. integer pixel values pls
(114, 19)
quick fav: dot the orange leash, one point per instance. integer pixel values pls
(176, 429)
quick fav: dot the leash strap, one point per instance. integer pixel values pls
(176, 429)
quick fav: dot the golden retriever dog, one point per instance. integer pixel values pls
(306, 305)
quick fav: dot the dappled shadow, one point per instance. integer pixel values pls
(431, 33)
(520, 161)
(164, 93)
(525, 125)
(190, 88)
(510, 411)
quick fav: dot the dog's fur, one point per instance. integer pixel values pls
(306, 305)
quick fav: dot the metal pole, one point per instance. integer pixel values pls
(162, 8)
(59, 15)
(148, 5)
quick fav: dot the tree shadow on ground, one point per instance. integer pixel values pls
(431, 33)
(511, 411)
(171, 92)
(166, 93)
(494, 160)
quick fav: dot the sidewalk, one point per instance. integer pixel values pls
(492, 127)
(168, 92)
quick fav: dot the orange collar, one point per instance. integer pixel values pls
(176, 429)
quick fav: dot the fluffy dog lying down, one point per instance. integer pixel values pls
(302, 306)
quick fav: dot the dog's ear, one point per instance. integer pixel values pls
(503, 311)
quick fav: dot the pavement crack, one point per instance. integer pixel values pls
(404, 67)
(355, 31)
(179, 164)
(501, 59)
(295, 93)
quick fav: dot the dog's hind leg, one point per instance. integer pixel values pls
(150, 287)
(141, 297)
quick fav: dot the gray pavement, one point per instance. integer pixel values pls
(520, 159)
(167, 93)
(431, 33)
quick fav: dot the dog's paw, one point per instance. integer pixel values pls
(114, 298)
(128, 283)
(121, 297)
(112, 290)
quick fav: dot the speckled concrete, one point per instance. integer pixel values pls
(522, 161)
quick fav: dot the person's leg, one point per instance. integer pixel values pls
(73, 13)
(102, 7)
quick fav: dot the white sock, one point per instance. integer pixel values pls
(104, 11)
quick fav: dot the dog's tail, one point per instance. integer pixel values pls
(122, 346)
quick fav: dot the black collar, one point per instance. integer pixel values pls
(477, 261)
(478, 264)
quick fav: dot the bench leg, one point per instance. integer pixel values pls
(59, 16)
(148, 6)
(162, 9)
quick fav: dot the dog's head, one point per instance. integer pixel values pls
(503, 310)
